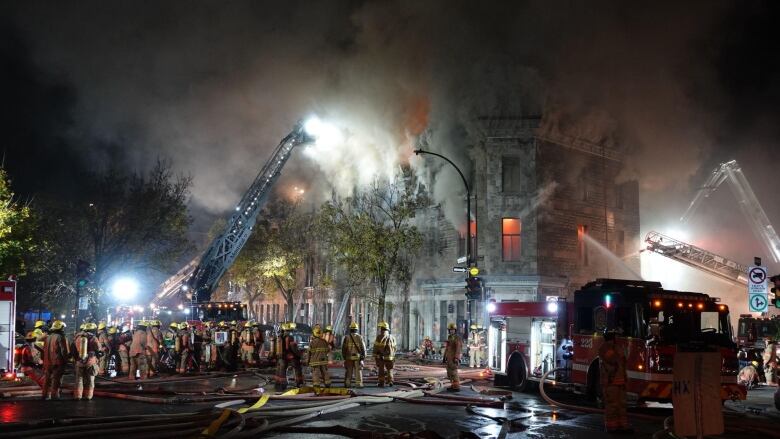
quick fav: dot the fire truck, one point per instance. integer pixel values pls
(525, 339)
(751, 331)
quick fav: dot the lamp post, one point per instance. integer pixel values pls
(469, 261)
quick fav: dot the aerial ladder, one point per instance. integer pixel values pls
(751, 208)
(698, 258)
(201, 276)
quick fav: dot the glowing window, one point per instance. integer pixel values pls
(510, 239)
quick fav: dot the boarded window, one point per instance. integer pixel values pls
(510, 239)
(510, 174)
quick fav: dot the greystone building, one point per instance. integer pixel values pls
(551, 214)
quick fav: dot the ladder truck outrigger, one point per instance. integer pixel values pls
(528, 339)
(200, 277)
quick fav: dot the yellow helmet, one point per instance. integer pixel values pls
(174, 325)
(383, 325)
(112, 330)
(156, 323)
(222, 324)
(451, 326)
(316, 330)
(90, 326)
(81, 326)
(183, 325)
(37, 332)
(143, 323)
(101, 326)
(58, 325)
(232, 323)
(473, 327)
(248, 324)
(329, 328)
(39, 324)
(354, 325)
(291, 326)
(30, 336)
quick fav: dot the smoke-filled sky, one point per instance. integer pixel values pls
(213, 86)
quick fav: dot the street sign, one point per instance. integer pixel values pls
(83, 303)
(757, 289)
(462, 260)
(458, 269)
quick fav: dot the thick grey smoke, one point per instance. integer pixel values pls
(214, 86)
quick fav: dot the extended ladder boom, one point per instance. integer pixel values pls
(696, 257)
(751, 208)
(225, 247)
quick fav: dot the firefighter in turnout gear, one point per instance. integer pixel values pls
(289, 355)
(384, 354)
(138, 351)
(475, 347)
(184, 348)
(612, 373)
(427, 347)
(123, 348)
(353, 351)
(209, 351)
(319, 349)
(248, 344)
(105, 348)
(30, 360)
(327, 334)
(154, 341)
(770, 362)
(55, 355)
(452, 353)
(85, 350)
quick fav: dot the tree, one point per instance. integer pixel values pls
(122, 223)
(16, 231)
(370, 233)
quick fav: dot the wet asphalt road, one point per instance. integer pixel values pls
(532, 417)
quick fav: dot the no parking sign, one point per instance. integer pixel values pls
(757, 285)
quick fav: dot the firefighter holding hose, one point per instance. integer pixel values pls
(452, 354)
(319, 349)
(86, 350)
(354, 351)
(612, 373)
(384, 354)
(55, 356)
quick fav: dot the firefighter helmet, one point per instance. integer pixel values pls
(427, 337)
(291, 326)
(30, 336)
(58, 325)
(383, 325)
(37, 332)
(248, 324)
(222, 324)
(183, 325)
(90, 326)
(316, 330)
(473, 327)
(112, 330)
(354, 326)
(232, 323)
(174, 325)
(81, 326)
(328, 328)
(39, 324)
(101, 326)
(156, 323)
(143, 323)
(451, 326)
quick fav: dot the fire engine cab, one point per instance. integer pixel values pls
(652, 325)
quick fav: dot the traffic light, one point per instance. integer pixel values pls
(473, 288)
(82, 273)
(776, 289)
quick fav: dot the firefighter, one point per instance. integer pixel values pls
(770, 362)
(319, 349)
(475, 346)
(138, 351)
(259, 339)
(55, 356)
(452, 353)
(30, 361)
(154, 341)
(184, 348)
(247, 339)
(290, 355)
(41, 325)
(353, 350)
(331, 339)
(384, 354)
(105, 347)
(232, 351)
(86, 350)
(40, 339)
(123, 349)
(427, 347)
(209, 352)
(612, 373)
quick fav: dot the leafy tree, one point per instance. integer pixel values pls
(122, 223)
(370, 233)
(16, 231)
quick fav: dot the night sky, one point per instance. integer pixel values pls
(213, 86)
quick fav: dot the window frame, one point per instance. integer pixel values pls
(511, 236)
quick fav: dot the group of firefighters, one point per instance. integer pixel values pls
(476, 345)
